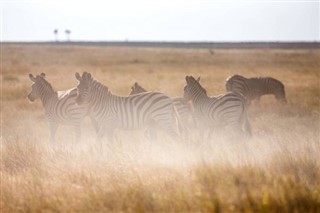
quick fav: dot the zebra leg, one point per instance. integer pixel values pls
(257, 101)
(151, 132)
(110, 134)
(77, 130)
(207, 134)
(53, 129)
(95, 124)
(238, 132)
(247, 128)
(184, 132)
(100, 133)
(170, 129)
(99, 137)
(244, 122)
(203, 132)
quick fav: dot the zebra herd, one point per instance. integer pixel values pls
(152, 111)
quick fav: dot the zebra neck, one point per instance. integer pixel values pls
(271, 88)
(264, 90)
(199, 97)
(199, 101)
(100, 98)
(48, 98)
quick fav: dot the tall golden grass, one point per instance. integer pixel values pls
(278, 170)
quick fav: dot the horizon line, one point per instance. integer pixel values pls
(161, 41)
(182, 44)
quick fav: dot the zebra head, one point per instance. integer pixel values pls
(192, 88)
(83, 89)
(37, 86)
(279, 92)
(281, 96)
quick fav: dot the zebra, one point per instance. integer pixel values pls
(254, 88)
(184, 109)
(226, 110)
(132, 112)
(60, 107)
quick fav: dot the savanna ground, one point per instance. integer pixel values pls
(277, 170)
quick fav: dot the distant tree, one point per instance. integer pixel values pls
(55, 32)
(67, 32)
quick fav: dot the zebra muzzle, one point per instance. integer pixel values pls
(30, 98)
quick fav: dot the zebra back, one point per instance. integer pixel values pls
(271, 86)
(254, 88)
(183, 109)
(236, 83)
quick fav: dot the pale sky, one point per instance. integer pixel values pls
(150, 20)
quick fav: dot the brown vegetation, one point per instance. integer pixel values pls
(278, 170)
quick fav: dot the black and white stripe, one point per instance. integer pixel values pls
(60, 107)
(254, 88)
(183, 109)
(229, 109)
(133, 112)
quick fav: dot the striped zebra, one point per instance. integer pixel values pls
(184, 110)
(254, 88)
(132, 112)
(60, 107)
(227, 110)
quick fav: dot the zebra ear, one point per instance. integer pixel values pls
(89, 75)
(77, 75)
(32, 78)
(43, 75)
(198, 79)
(187, 79)
(136, 84)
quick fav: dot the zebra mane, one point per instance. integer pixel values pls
(192, 80)
(96, 84)
(236, 76)
(229, 79)
(270, 78)
(137, 86)
(45, 83)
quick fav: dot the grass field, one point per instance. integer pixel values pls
(277, 170)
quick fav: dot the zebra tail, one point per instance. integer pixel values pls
(229, 85)
(245, 121)
(178, 120)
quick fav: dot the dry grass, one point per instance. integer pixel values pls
(278, 170)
